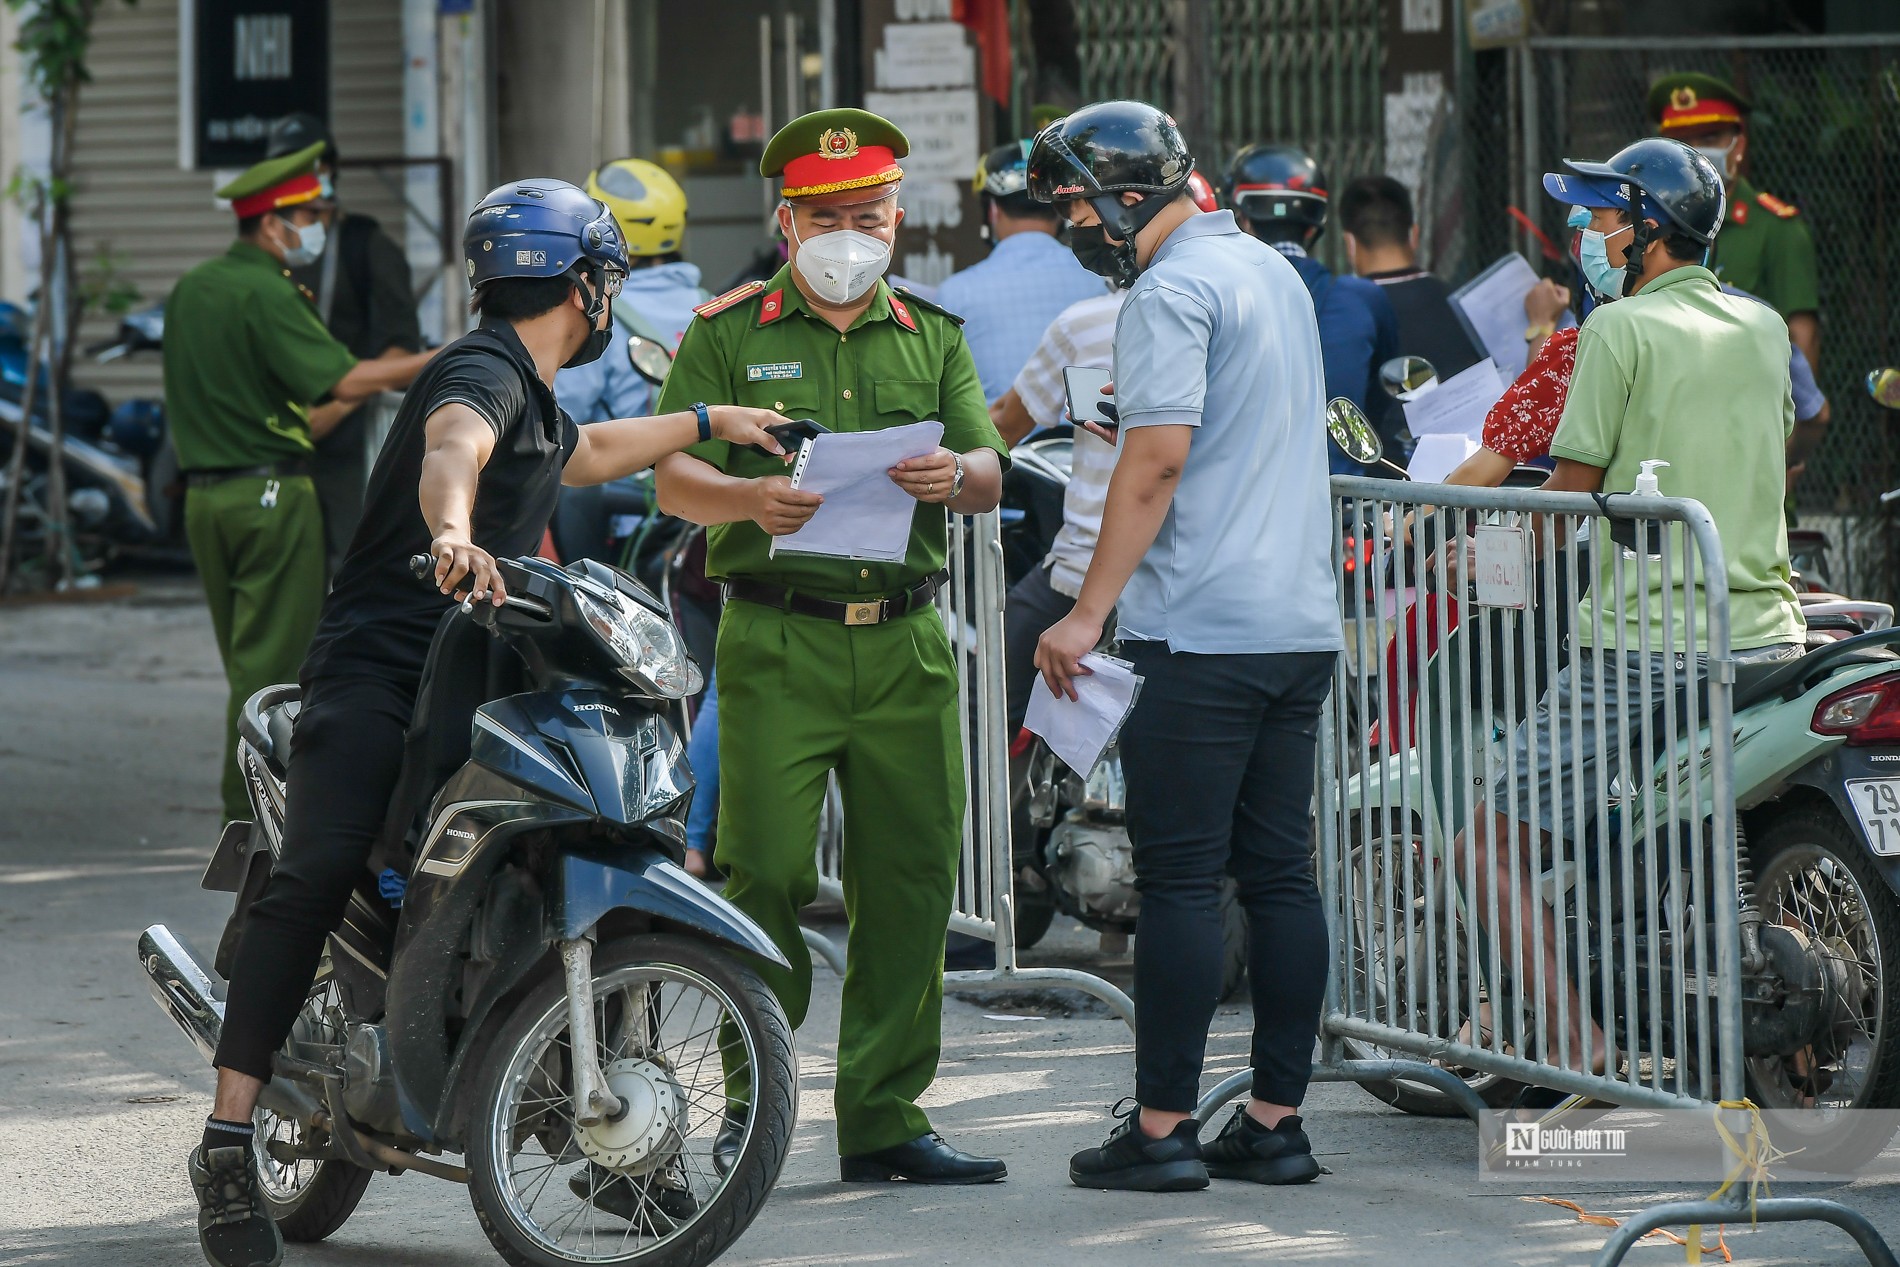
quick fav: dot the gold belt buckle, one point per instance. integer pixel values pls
(864, 613)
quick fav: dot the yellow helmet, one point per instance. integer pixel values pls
(649, 205)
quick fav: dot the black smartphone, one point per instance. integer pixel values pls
(1083, 387)
(793, 434)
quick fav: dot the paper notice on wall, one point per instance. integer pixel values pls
(941, 124)
(926, 55)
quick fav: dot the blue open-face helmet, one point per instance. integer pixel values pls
(540, 228)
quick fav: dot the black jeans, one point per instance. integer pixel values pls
(1032, 606)
(1219, 761)
(346, 753)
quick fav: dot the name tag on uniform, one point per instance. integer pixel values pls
(777, 369)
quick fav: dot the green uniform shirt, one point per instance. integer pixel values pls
(895, 365)
(1683, 372)
(1766, 254)
(245, 357)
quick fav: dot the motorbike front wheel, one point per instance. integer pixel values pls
(684, 1034)
(308, 1197)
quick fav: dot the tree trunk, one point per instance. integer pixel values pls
(62, 552)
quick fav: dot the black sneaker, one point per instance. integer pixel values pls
(234, 1227)
(1129, 1161)
(1247, 1150)
(655, 1203)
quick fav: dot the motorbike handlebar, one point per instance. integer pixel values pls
(422, 567)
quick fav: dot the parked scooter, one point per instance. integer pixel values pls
(525, 975)
(1816, 740)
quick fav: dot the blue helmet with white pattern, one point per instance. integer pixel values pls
(540, 228)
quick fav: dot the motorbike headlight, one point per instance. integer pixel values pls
(648, 648)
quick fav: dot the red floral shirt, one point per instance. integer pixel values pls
(1521, 424)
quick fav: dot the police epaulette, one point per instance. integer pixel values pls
(718, 304)
(915, 298)
(1787, 211)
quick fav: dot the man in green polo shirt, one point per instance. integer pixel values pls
(246, 356)
(833, 664)
(1675, 370)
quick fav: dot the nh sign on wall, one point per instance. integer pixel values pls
(243, 64)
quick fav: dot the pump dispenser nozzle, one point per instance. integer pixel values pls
(1646, 485)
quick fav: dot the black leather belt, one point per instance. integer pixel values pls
(206, 477)
(865, 611)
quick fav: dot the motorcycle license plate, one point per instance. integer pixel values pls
(1877, 801)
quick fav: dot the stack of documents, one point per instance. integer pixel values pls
(1079, 730)
(1492, 304)
(865, 515)
(1448, 420)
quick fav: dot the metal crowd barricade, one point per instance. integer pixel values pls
(972, 609)
(1604, 957)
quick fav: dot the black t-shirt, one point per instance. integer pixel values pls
(378, 620)
(1428, 325)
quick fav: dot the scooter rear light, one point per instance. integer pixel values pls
(1865, 713)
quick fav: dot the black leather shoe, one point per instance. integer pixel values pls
(726, 1144)
(926, 1159)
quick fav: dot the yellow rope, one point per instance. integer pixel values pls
(1753, 1154)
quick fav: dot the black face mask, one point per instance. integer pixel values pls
(1093, 251)
(597, 341)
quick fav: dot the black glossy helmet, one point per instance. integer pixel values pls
(1107, 149)
(296, 132)
(1279, 189)
(1680, 188)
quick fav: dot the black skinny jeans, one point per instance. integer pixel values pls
(346, 753)
(1219, 760)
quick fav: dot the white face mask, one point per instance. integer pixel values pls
(309, 247)
(1719, 155)
(841, 265)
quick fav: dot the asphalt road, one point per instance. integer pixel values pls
(109, 717)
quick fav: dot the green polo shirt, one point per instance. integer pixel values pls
(245, 358)
(1769, 255)
(1683, 372)
(903, 360)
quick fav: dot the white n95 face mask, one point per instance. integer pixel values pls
(841, 265)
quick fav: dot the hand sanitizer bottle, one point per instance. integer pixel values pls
(1646, 486)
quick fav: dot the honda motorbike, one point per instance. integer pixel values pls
(525, 975)
(1817, 791)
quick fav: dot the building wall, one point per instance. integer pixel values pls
(154, 221)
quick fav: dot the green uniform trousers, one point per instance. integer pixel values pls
(800, 697)
(262, 568)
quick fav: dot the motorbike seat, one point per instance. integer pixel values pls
(1755, 683)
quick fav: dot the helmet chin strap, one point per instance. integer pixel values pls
(1640, 238)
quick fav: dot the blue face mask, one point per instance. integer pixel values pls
(1593, 256)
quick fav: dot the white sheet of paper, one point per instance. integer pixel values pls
(865, 515)
(1493, 302)
(1079, 730)
(1438, 455)
(1457, 406)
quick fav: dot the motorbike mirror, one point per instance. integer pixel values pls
(650, 360)
(1347, 424)
(1405, 377)
(1884, 386)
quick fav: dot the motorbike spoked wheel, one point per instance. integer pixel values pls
(308, 1198)
(669, 1013)
(1812, 873)
(1382, 948)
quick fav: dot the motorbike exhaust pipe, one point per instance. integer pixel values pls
(190, 993)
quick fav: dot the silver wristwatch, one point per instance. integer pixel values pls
(956, 481)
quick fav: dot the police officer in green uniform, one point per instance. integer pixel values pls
(832, 664)
(246, 358)
(1764, 247)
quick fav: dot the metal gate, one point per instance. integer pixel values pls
(1825, 135)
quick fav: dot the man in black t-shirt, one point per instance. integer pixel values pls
(1382, 247)
(470, 472)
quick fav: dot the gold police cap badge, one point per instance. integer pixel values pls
(1683, 98)
(838, 143)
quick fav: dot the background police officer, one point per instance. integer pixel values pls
(829, 664)
(365, 297)
(1279, 194)
(1765, 247)
(1215, 556)
(246, 358)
